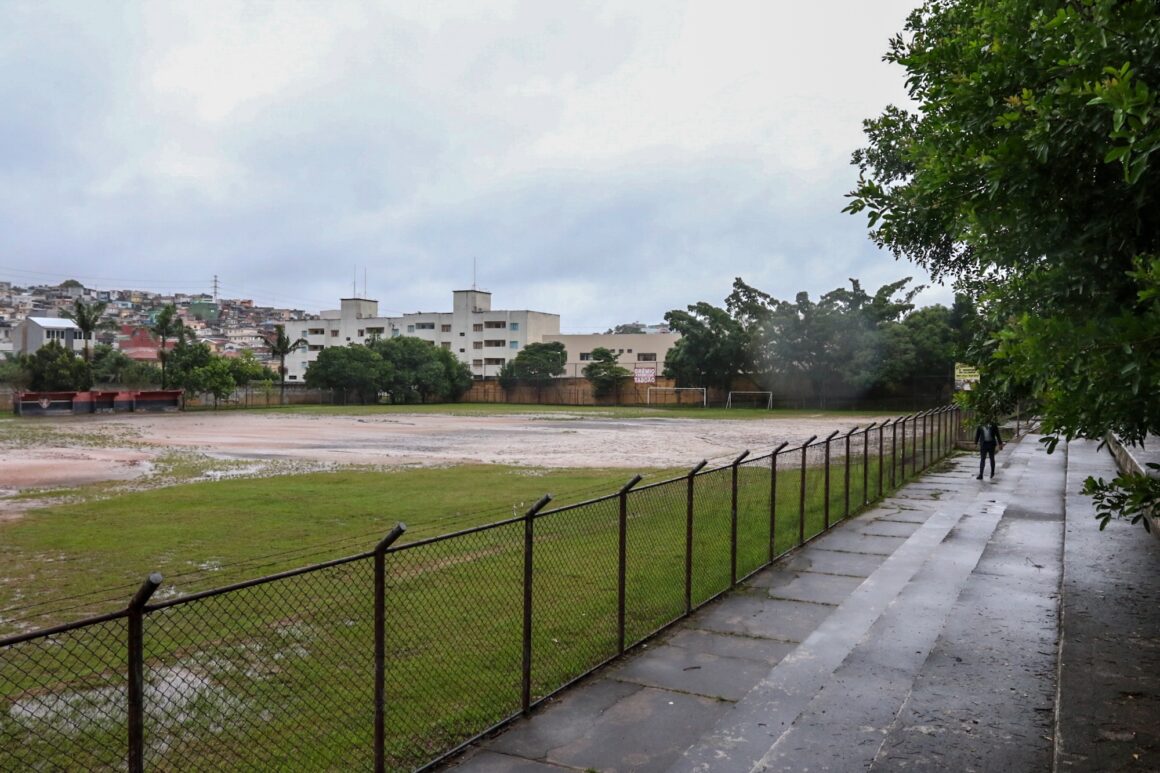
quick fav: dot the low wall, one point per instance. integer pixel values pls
(73, 403)
(1129, 461)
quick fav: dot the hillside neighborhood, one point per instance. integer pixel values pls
(481, 337)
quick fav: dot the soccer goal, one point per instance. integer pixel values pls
(664, 396)
(750, 400)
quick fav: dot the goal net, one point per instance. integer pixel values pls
(677, 396)
(750, 400)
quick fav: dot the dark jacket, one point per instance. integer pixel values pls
(995, 438)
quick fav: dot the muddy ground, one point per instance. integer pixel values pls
(74, 451)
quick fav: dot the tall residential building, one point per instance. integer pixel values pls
(481, 337)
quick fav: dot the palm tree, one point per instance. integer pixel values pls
(280, 346)
(87, 317)
(166, 325)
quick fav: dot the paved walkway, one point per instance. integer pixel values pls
(960, 625)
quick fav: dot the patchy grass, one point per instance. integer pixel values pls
(572, 411)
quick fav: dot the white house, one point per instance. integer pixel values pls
(480, 336)
(31, 333)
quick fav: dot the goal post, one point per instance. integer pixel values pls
(750, 399)
(660, 391)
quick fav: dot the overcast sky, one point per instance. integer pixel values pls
(606, 161)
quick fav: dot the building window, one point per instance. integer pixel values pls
(446, 344)
(316, 347)
(316, 331)
(303, 334)
(477, 363)
(361, 334)
(495, 324)
(493, 342)
(513, 344)
(585, 356)
(424, 325)
(410, 328)
(446, 329)
(646, 357)
(515, 326)
(463, 351)
(461, 334)
(374, 331)
(477, 327)
(494, 361)
(477, 344)
(334, 334)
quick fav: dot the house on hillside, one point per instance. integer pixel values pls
(31, 333)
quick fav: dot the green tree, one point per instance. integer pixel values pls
(87, 317)
(166, 326)
(1025, 175)
(53, 368)
(141, 375)
(212, 378)
(354, 370)
(420, 372)
(281, 346)
(109, 364)
(246, 368)
(604, 372)
(713, 348)
(536, 364)
(14, 371)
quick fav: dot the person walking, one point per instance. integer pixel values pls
(987, 438)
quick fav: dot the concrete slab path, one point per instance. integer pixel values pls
(959, 625)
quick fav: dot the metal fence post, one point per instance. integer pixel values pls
(866, 463)
(381, 644)
(914, 446)
(894, 453)
(881, 438)
(691, 477)
(925, 432)
(136, 671)
(802, 494)
(773, 500)
(733, 521)
(622, 565)
(529, 533)
(826, 505)
(846, 511)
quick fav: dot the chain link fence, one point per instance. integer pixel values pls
(397, 658)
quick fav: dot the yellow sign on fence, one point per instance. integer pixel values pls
(966, 376)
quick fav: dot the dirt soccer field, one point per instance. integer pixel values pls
(66, 452)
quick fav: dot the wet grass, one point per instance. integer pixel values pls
(280, 672)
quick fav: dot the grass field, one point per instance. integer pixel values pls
(279, 672)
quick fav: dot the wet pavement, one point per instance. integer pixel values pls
(959, 625)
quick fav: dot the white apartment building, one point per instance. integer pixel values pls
(482, 337)
(642, 354)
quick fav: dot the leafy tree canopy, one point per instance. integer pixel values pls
(536, 364)
(53, 368)
(604, 372)
(356, 372)
(420, 372)
(1027, 175)
(713, 348)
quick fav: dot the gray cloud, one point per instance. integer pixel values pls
(607, 161)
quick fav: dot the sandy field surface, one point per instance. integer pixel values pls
(125, 446)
